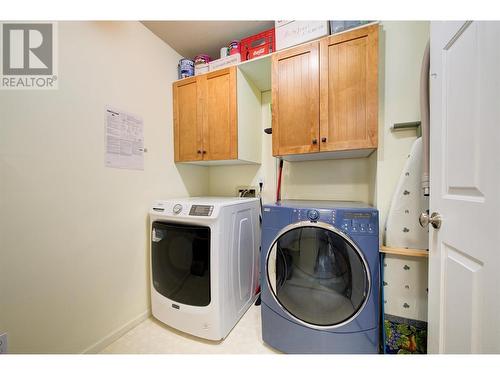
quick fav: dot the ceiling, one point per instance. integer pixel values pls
(190, 38)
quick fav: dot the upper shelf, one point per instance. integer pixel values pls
(258, 70)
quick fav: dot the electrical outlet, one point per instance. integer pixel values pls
(246, 191)
(3, 343)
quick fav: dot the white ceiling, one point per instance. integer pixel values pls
(190, 38)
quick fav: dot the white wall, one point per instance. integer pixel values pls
(401, 49)
(73, 234)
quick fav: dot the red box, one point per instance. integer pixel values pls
(258, 45)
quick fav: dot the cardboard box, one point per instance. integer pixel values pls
(280, 23)
(291, 33)
(224, 62)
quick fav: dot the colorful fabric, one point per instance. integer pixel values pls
(405, 336)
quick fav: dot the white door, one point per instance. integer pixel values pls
(464, 253)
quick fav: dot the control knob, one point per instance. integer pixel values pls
(313, 215)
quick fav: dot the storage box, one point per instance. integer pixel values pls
(338, 26)
(291, 33)
(258, 45)
(224, 62)
(200, 69)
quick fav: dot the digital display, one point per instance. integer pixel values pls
(201, 210)
(357, 215)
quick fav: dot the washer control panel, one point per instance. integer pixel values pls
(201, 210)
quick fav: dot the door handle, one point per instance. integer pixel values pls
(435, 220)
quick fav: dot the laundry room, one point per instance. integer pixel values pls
(222, 183)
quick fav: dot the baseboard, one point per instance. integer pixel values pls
(115, 335)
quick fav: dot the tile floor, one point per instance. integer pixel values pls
(154, 337)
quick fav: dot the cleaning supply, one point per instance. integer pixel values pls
(224, 52)
(185, 68)
(234, 47)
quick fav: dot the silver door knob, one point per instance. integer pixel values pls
(434, 220)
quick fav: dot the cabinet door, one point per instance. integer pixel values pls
(295, 95)
(187, 109)
(220, 115)
(349, 90)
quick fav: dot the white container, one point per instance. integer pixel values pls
(224, 52)
(224, 62)
(291, 33)
(200, 69)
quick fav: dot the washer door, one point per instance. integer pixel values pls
(180, 262)
(318, 275)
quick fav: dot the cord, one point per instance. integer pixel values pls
(261, 184)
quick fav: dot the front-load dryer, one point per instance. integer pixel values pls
(204, 263)
(320, 277)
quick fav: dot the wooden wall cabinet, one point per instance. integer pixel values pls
(325, 97)
(217, 119)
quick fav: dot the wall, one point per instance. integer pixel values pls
(403, 44)
(401, 49)
(73, 233)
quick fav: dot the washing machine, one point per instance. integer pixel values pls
(320, 277)
(204, 263)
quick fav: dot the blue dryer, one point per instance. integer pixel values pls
(320, 277)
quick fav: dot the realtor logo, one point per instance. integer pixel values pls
(28, 56)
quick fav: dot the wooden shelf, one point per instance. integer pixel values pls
(405, 252)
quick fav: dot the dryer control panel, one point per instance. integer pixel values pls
(350, 221)
(358, 222)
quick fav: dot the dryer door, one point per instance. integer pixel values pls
(318, 275)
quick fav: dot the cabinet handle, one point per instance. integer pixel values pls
(199, 151)
(315, 141)
(204, 152)
(323, 139)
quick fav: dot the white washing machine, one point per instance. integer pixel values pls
(204, 263)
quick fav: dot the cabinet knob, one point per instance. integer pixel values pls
(315, 141)
(199, 151)
(204, 152)
(323, 139)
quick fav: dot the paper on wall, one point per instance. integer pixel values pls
(124, 140)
